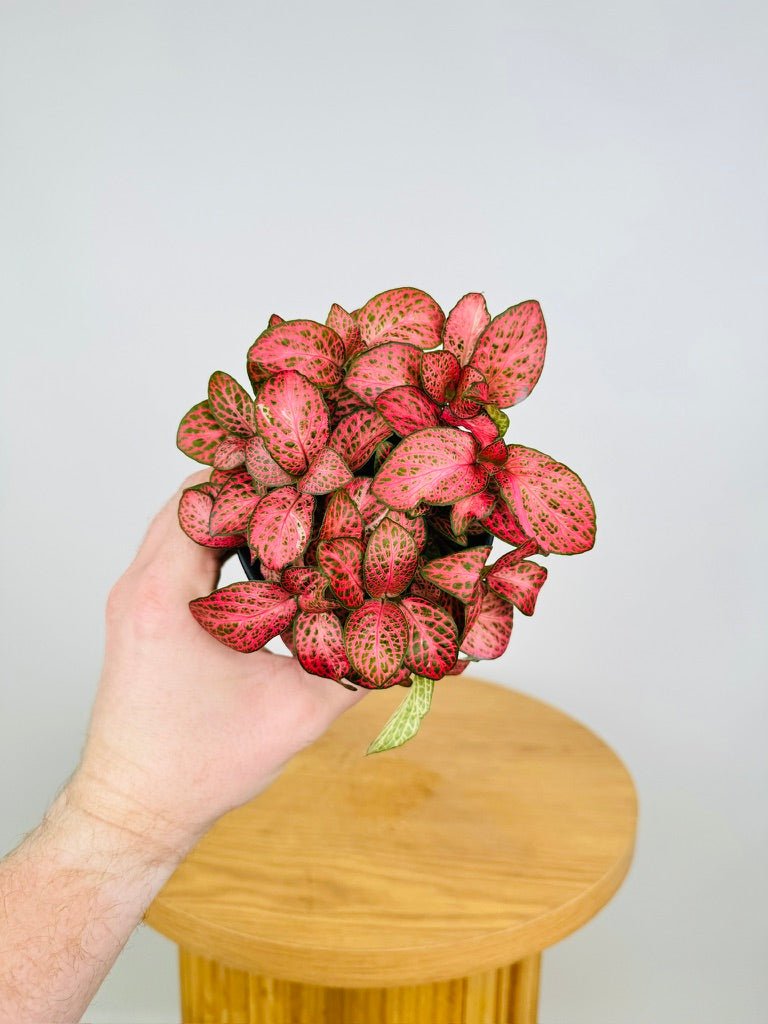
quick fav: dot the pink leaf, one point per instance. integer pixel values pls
(471, 391)
(231, 405)
(195, 507)
(310, 586)
(230, 453)
(510, 353)
(433, 639)
(356, 436)
(347, 328)
(200, 434)
(490, 633)
(494, 454)
(319, 644)
(310, 348)
(275, 319)
(460, 666)
(375, 638)
(262, 467)
(549, 500)
(381, 368)
(518, 582)
(457, 574)
(390, 560)
(436, 466)
(342, 518)
(327, 472)
(245, 616)
(400, 678)
(501, 523)
(234, 504)
(440, 372)
(280, 527)
(415, 526)
(467, 510)
(369, 507)
(293, 420)
(481, 426)
(401, 314)
(341, 559)
(343, 402)
(407, 409)
(466, 322)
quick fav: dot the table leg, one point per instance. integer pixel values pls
(212, 993)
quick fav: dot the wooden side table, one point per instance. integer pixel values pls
(418, 885)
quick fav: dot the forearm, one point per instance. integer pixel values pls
(71, 894)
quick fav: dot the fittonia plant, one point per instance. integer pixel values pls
(367, 480)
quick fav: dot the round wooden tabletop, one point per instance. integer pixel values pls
(502, 827)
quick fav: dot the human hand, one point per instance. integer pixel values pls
(184, 729)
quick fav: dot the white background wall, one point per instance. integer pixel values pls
(174, 172)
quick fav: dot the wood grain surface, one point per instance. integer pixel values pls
(502, 827)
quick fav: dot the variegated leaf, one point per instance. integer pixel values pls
(356, 436)
(342, 518)
(403, 315)
(275, 319)
(381, 368)
(347, 328)
(549, 500)
(262, 467)
(481, 426)
(405, 722)
(375, 638)
(280, 527)
(199, 434)
(433, 639)
(440, 372)
(415, 525)
(311, 349)
(292, 419)
(341, 559)
(466, 322)
(390, 560)
(400, 678)
(436, 466)
(518, 582)
(245, 616)
(501, 522)
(490, 633)
(457, 574)
(370, 508)
(319, 643)
(407, 409)
(195, 507)
(234, 504)
(230, 453)
(510, 353)
(231, 405)
(470, 509)
(327, 472)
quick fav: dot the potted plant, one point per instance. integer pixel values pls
(363, 487)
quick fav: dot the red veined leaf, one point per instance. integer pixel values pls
(199, 434)
(310, 586)
(471, 391)
(549, 500)
(407, 409)
(501, 522)
(400, 678)
(262, 467)
(457, 574)
(415, 525)
(460, 666)
(275, 319)
(287, 637)
(466, 322)
(343, 402)
(440, 372)
(494, 454)
(401, 314)
(195, 507)
(293, 420)
(319, 643)
(347, 328)
(481, 426)
(327, 472)
(436, 466)
(370, 508)
(490, 633)
(472, 609)
(381, 368)
(382, 453)
(311, 349)
(271, 575)
(390, 560)
(518, 582)
(234, 504)
(433, 639)
(510, 353)
(280, 527)
(467, 510)
(245, 616)
(356, 436)
(230, 453)
(231, 405)
(375, 638)
(341, 559)
(219, 477)
(342, 518)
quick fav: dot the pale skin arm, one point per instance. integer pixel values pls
(182, 731)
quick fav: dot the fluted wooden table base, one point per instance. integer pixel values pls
(212, 993)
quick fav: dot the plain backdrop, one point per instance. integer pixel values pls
(172, 173)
